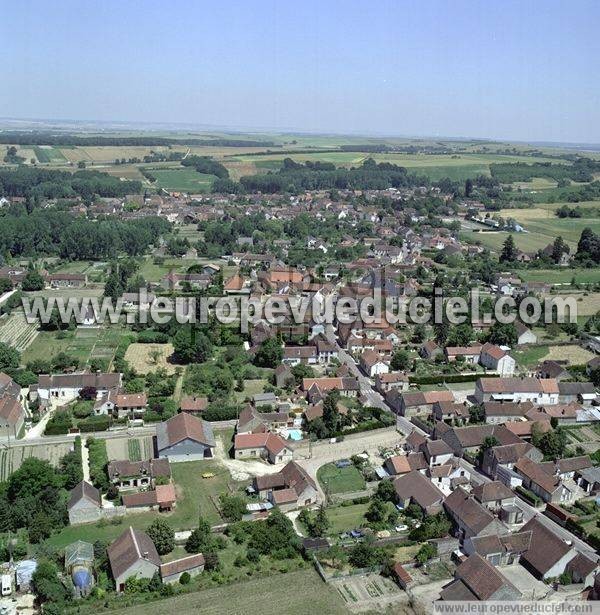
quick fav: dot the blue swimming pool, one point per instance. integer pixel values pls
(294, 434)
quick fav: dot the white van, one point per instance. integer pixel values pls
(6, 584)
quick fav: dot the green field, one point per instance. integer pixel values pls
(493, 240)
(297, 593)
(560, 276)
(184, 180)
(47, 154)
(340, 480)
(435, 166)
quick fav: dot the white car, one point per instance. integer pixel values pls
(401, 528)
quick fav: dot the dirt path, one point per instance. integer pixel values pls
(85, 460)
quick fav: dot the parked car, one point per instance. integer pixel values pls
(402, 528)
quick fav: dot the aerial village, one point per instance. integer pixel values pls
(405, 463)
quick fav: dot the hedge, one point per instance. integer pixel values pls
(366, 426)
(449, 378)
(59, 424)
(94, 423)
(98, 459)
(529, 496)
(221, 413)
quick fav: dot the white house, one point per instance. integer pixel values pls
(372, 364)
(495, 358)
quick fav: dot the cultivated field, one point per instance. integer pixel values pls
(141, 357)
(46, 154)
(269, 596)
(134, 449)
(543, 222)
(83, 344)
(11, 457)
(16, 331)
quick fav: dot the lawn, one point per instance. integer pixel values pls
(270, 595)
(344, 518)
(195, 496)
(530, 357)
(184, 180)
(340, 480)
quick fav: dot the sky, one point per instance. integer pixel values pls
(513, 70)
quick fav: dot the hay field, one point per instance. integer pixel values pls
(139, 356)
(575, 355)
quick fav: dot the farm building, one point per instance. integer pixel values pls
(185, 438)
(192, 564)
(133, 554)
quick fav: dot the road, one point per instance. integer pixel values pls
(406, 427)
(374, 398)
(530, 511)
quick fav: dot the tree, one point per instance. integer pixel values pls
(321, 523)
(559, 247)
(419, 333)
(509, 250)
(553, 443)
(364, 555)
(468, 187)
(9, 357)
(400, 360)
(460, 335)
(70, 468)
(503, 334)
(588, 247)
(476, 414)
(5, 285)
(275, 535)
(191, 345)
(47, 585)
(269, 353)
(440, 332)
(331, 416)
(425, 553)
(113, 287)
(201, 539)
(386, 491)
(162, 535)
(233, 507)
(32, 281)
(377, 511)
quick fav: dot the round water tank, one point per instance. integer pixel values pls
(81, 578)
